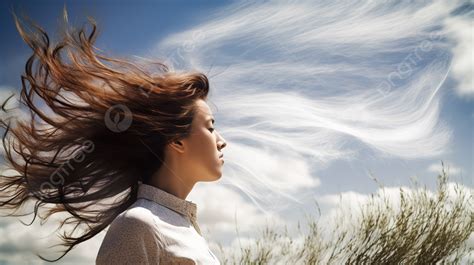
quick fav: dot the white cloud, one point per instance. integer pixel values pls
(268, 177)
(449, 167)
(221, 210)
(19, 243)
(460, 30)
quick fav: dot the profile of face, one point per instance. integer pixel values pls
(203, 147)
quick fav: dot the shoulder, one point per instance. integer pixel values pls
(135, 222)
(137, 217)
(131, 237)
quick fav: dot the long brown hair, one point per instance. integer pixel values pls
(99, 126)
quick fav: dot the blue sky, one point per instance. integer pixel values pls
(297, 90)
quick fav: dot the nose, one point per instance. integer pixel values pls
(221, 143)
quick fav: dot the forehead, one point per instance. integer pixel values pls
(203, 111)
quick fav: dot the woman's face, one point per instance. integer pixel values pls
(204, 145)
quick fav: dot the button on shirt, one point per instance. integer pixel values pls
(159, 228)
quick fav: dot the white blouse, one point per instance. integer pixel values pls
(159, 228)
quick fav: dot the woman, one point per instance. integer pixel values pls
(111, 143)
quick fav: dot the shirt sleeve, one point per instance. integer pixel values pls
(131, 239)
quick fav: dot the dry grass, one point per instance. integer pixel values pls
(422, 229)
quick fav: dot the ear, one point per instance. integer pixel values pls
(177, 145)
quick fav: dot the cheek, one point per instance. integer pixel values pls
(203, 148)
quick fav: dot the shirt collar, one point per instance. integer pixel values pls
(152, 193)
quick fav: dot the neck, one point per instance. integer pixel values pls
(172, 180)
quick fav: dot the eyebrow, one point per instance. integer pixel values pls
(210, 119)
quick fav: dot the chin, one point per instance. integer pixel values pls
(217, 176)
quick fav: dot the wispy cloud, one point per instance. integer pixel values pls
(460, 30)
(311, 82)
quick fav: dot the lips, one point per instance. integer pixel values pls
(221, 156)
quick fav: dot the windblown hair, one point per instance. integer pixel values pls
(99, 126)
